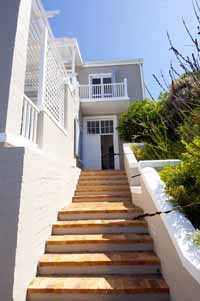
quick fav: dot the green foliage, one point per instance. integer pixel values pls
(183, 182)
(177, 104)
(133, 125)
(196, 237)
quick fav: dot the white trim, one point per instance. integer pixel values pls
(113, 63)
(42, 70)
(98, 75)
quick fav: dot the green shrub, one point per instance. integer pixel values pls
(183, 182)
(134, 124)
(196, 237)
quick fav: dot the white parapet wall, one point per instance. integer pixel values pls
(131, 166)
(172, 235)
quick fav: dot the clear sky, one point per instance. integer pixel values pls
(126, 29)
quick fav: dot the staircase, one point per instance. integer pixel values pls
(97, 252)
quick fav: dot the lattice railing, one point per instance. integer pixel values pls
(45, 72)
(54, 85)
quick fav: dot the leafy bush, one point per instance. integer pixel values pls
(134, 124)
(183, 182)
(196, 237)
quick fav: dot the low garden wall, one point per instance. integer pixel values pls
(172, 233)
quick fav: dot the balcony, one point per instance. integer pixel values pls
(104, 99)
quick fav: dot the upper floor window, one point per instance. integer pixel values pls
(101, 85)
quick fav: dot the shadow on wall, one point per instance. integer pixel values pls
(11, 172)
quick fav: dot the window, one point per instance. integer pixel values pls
(106, 126)
(102, 127)
(93, 127)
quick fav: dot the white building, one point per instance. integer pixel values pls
(57, 114)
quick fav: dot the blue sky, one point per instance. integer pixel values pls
(126, 29)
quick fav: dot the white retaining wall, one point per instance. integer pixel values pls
(172, 235)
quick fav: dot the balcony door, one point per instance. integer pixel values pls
(101, 85)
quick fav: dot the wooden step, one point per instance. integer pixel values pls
(99, 243)
(102, 197)
(103, 172)
(108, 191)
(99, 210)
(115, 288)
(99, 181)
(99, 226)
(94, 185)
(99, 263)
(93, 178)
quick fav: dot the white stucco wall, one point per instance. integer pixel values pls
(48, 185)
(33, 187)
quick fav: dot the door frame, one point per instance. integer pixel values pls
(115, 134)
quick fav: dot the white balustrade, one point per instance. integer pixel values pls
(114, 90)
(29, 120)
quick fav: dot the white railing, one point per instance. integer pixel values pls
(29, 120)
(114, 90)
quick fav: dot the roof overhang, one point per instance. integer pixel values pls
(113, 63)
(65, 46)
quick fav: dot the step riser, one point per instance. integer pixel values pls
(102, 186)
(87, 216)
(99, 247)
(96, 199)
(103, 174)
(82, 192)
(148, 296)
(95, 178)
(100, 230)
(99, 270)
(89, 182)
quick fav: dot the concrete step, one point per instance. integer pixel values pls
(108, 191)
(99, 210)
(100, 227)
(102, 198)
(99, 243)
(104, 288)
(112, 263)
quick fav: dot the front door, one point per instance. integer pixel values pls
(100, 142)
(91, 145)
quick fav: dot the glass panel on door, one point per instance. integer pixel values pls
(96, 88)
(107, 86)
